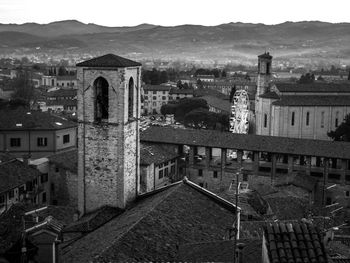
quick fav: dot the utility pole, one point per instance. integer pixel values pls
(236, 212)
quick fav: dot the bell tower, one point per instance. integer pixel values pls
(108, 132)
(264, 73)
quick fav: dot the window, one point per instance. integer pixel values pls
(57, 169)
(154, 92)
(336, 119)
(201, 184)
(154, 103)
(2, 199)
(160, 174)
(172, 169)
(154, 98)
(347, 193)
(131, 98)
(66, 138)
(43, 197)
(101, 99)
(42, 141)
(12, 194)
(15, 142)
(166, 172)
(322, 119)
(265, 120)
(146, 97)
(163, 98)
(293, 118)
(307, 118)
(163, 92)
(215, 174)
(200, 172)
(44, 178)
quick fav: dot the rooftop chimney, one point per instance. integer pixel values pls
(239, 252)
(26, 158)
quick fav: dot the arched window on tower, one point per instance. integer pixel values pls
(131, 98)
(101, 99)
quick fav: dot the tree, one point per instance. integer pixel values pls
(62, 71)
(307, 78)
(168, 109)
(23, 88)
(184, 106)
(342, 132)
(179, 84)
(223, 73)
(199, 84)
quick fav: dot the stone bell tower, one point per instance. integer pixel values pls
(108, 132)
(264, 73)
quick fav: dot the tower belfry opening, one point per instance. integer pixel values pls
(101, 101)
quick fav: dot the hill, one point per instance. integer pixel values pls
(298, 41)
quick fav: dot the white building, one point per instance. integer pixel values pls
(295, 110)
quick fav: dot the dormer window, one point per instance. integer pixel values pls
(101, 99)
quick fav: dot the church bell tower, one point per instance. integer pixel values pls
(108, 132)
(264, 73)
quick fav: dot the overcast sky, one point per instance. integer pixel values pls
(175, 12)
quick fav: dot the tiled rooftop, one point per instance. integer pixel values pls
(215, 102)
(317, 87)
(154, 227)
(109, 60)
(298, 242)
(156, 88)
(22, 119)
(62, 102)
(274, 144)
(270, 95)
(14, 173)
(181, 91)
(155, 153)
(11, 223)
(340, 100)
(62, 93)
(220, 251)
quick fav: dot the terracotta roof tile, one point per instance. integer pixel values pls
(155, 153)
(317, 87)
(14, 173)
(154, 226)
(274, 144)
(304, 249)
(156, 88)
(22, 119)
(109, 60)
(315, 100)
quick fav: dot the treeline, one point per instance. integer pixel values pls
(194, 112)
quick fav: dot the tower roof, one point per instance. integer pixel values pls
(265, 55)
(109, 60)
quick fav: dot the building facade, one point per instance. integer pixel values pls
(38, 134)
(154, 97)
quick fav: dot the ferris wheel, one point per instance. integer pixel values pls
(239, 120)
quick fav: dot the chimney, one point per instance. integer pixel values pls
(239, 253)
(26, 159)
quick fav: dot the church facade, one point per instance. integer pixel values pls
(306, 111)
